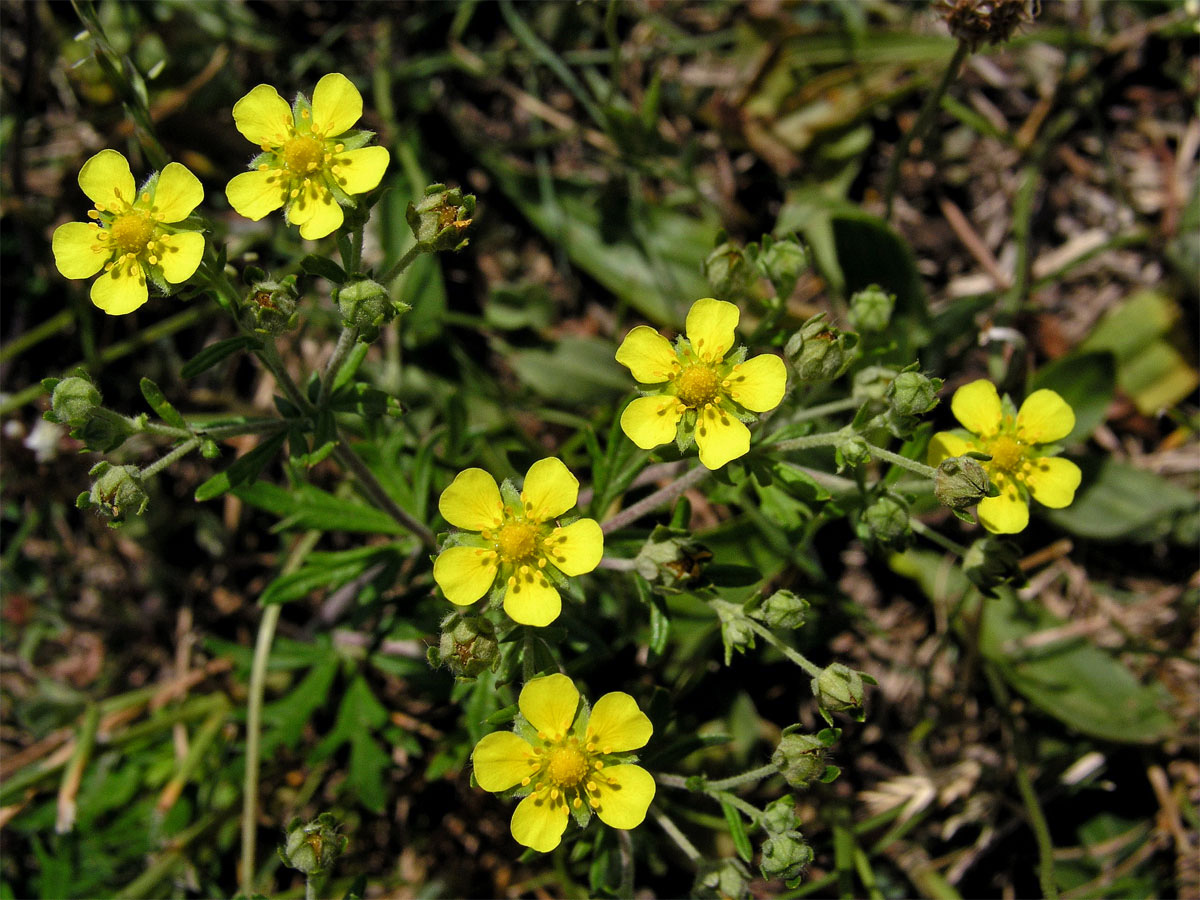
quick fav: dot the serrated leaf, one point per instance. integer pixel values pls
(215, 353)
(161, 406)
(244, 469)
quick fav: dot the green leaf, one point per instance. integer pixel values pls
(214, 353)
(288, 715)
(1117, 501)
(323, 267)
(244, 469)
(577, 370)
(1086, 380)
(326, 570)
(737, 831)
(310, 507)
(159, 403)
(359, 716)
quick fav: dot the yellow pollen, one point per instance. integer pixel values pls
(567, 766)
(302, 154)
(1007, 453)
(517, 541)
(132, 231)
(697, 385)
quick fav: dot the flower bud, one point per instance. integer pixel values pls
(785, 855)
(313, 847)
(367, 305)
(872, 383)
(467, 647)
(851, 451)
(117, 490)
(440, 221)
(72, 400)
(780, 815)
(783, 609)
(729, 272)
(960, 482)
(800, 758)
(991, 562)
(721, 879)
(783, 262)
(270, 307)
(838, 688)
(819, 352)
(885, 523)
(913, 394)
(871, 309)
(671, 558)
(976, 22)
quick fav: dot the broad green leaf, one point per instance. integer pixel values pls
(577, 370)
(1086, 380)
(323, 267)
(1118, 501)
(214, 353)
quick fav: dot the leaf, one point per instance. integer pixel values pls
(291, 713)
(310, 507)
(1118, 501)
(324, 268)
(1087, 381)
(576, 370)
(159, 403)
(325, 570)
(214, 353)
(359, 716)
(737, 831)
(245, 468)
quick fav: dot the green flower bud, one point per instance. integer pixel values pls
(313, 847)
(885, 523)
(270, 307)
(960, 482)
(913, 394)
(467, 647)
(721, 879)
(440, 221)
(670, 558)
(729, 272)
(872, 383)
(118, 491)
(783, 609)
(737, 629)
(780, 815)
(785, 855)
(871, 309)
(819, 352)
(838, 688)
(367, 305)
(783, 262)
(800, 758)
(103, 431)
(851, 452)
(72, 400)
(991, 562)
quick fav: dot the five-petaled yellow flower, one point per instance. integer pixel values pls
(311, 160)
(567, 762)
(133, 235)
(694, 389)
(517, 540)
(1019, 465)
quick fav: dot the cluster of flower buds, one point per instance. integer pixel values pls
(976, 22)
(734, 272)
(785, 853)
(440, 221)
(721, 879)
(76, 402)
(819, 352)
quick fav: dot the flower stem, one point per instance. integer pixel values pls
(903, 462)
(366, 478)
(936, 537)
(661, 497)
(178, 453)
(807, 442)
(783, 648)
(734, 781)
(344, 345)
(401, 264)
(752, 812)
(673, 832)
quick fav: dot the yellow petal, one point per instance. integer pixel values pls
(977, 407)
(255, 194)
(549, 704)
(336, 105)
(539, 822)
(78, 251)
(1006, 514)
(1044, 418)
(326, 217)
(302, 207)
(178, 192)
(758, 383)
(121, 289)
(359, 171)
(617, 725)
(263, 117)
(577, 548)
(709, 327)
(1053, 481)
(501, 761)
(549, 491)
(181, 255)
(107, 181)
(465, 573)
(472, 501)
(624, 804)
(650, 421)
(531, 599)
(648, 355)
(946, 444)
(720, 437)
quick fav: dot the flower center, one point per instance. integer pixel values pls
(567, 765)
(697, 385)
(132, 231)
(1007, 453)
(303, 154)
(517, 541)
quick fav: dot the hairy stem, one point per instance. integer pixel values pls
(344, 345)
(673, 832)
(178, 453)
(370, 484)
(783, 648)
(661, 497)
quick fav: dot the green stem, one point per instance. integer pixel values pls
(783, 648)
(366, 478)
(345, 344)
(268, 354)
(734, 781)
(807, 442)
(625, 844)
(821, 410)
(752, 812)
(936, 537)
(401, 264)
(661, 497)
(673, 832)
(178, 453)
(920, 127)
(903, 462)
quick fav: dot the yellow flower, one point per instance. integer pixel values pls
(311, 161)
(1020, 465)
(517, 540)
(696, 388)
(133, 235)
(564, 761)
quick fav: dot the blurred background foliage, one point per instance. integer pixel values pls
(1043, 234)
